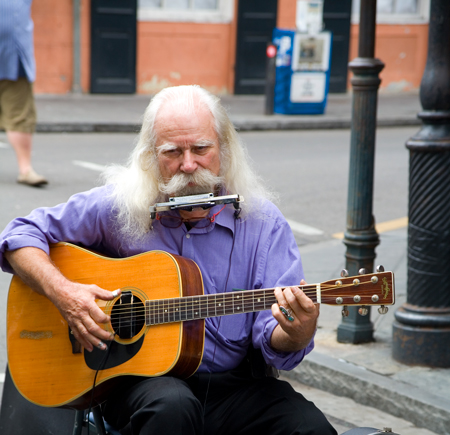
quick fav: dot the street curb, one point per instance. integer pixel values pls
(399, 399)
(86, 127)
(255, 124)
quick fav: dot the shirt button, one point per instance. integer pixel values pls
(188, 236)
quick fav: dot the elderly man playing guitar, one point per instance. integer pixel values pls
(187, 147)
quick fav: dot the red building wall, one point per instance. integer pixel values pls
(171, 53)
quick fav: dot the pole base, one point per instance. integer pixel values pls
(355, 329)
(423, 346)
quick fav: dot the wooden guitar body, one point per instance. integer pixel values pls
(158, 322)
(48, 366)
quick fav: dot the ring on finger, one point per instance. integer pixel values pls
(287, 313)
(100, 345)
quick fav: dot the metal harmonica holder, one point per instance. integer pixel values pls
(188, 203)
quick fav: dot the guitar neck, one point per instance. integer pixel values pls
(214, 305)
(362, 290)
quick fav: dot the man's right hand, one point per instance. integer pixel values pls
(75, 301)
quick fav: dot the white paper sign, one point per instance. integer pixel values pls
(309, 16)
(308, 87)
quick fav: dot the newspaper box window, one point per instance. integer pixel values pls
(310, 65)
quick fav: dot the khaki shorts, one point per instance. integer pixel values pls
(17, 109)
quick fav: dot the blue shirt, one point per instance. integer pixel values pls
(251, 253)
(16, 40)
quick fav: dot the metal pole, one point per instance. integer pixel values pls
(361, 237)
(421, 332)
(76, 83)
(271, 56)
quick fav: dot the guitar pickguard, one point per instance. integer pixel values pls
(116, 355)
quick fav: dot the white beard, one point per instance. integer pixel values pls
(204, 181)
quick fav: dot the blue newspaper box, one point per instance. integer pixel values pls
(302, 72)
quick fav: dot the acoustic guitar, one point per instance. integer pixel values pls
(158, 322)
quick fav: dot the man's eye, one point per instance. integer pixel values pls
(201, 149)
(171, 153)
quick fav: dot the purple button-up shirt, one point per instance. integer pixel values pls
(250, 253)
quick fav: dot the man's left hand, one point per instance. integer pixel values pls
(297, 317)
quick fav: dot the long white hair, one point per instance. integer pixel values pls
(135, 186)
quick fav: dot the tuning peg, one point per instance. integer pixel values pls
(344, 311)
(380, 268)
(383, 309)
(363, 311)
(344, 273)
(362, 271)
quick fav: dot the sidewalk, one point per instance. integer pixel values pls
(123, 113)
(366, 373)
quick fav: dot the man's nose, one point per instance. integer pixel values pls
(188, 165)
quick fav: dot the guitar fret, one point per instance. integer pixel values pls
(237, 302)
(247, 302)
(182, 309)
(228, 304)
(196, 308)
(259, 300)
(309, 289)
(188, 309)
(203, 306)
(147, 313)
(199, 307)
(176, 311)
(209, 306)
(164, 311)
(220, 304)
(171, 310)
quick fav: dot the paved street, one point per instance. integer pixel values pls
(309, 170)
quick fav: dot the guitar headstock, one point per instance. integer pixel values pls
(361, 290)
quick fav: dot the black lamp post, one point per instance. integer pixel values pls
(361, 237)
(421, 332)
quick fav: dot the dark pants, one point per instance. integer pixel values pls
(224, 403)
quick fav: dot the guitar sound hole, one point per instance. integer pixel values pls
(128, 315)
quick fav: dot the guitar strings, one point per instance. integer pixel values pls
(205, 302)
(247, 295)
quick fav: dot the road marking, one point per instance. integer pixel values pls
(382, 227)
(89, 165)
(4, 145)
(2, 378)
(297, 227)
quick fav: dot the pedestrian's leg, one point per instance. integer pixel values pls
(18, 118)
(21, 143)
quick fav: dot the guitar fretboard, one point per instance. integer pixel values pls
(214, 305)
